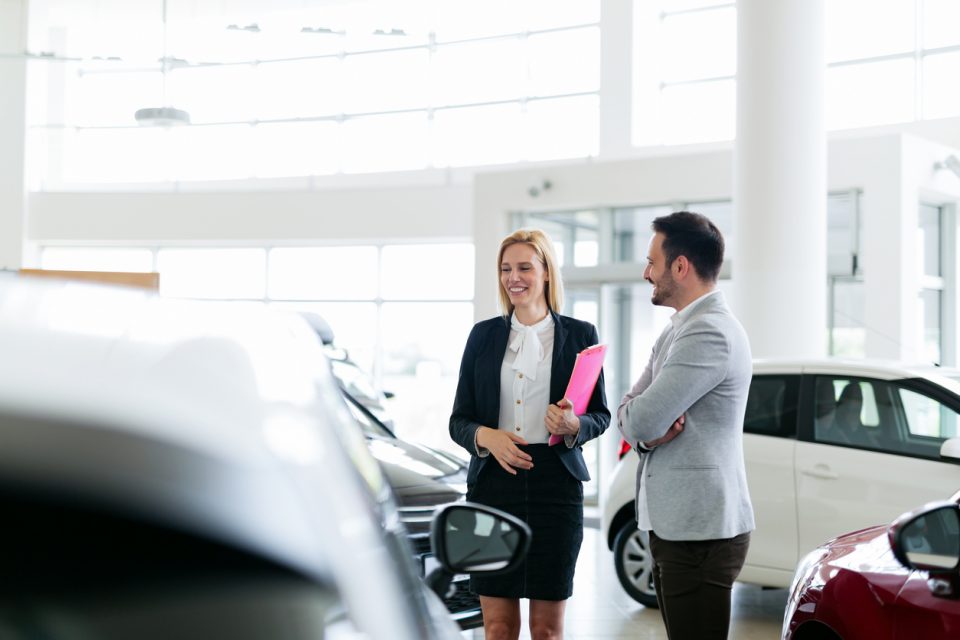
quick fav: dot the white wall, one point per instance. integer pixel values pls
(371, 214)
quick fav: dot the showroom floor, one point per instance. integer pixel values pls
(599, 607)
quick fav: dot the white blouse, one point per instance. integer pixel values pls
(523, 397)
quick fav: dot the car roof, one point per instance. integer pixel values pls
(194, 415)
(947, 377)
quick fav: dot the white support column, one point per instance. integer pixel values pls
(13, 80)
(779, 269)
(616, 77)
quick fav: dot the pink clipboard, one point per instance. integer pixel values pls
(586, 371)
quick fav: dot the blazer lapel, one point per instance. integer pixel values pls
(558, 383)
(498, 347)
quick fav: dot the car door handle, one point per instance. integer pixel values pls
(821, 471)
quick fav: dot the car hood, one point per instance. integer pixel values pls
(867, 553)
(413, 469)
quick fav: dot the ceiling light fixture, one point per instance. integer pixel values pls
(322, 30)
(252, 28)
(165, 116)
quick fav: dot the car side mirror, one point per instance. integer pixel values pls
(472, 538)
(950, 449)
(929, 540)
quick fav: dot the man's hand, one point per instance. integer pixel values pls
(502, 445)
(561, 420)
(671, 433)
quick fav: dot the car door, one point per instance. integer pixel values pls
(869, 451)
(770, 431)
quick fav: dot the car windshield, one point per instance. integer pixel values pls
(372, 427)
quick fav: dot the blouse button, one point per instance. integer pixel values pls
(518, 402)
(519, 375)
(518, 428)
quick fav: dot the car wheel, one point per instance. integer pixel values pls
(634, 563)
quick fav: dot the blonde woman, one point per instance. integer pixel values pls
(509, 402)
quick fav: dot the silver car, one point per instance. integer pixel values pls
(188, 470)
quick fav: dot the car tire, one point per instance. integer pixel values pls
(634, 563)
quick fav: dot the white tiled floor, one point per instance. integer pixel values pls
(599, 607)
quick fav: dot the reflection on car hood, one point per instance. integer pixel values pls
(409, 465)
(867, 553)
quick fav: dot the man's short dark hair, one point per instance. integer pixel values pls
(692, 235)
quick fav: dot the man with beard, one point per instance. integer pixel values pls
(685, 416)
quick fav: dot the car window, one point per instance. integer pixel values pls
(881, 416)
(926, 423)
(370, 425)
(851, 411)
(772, 405)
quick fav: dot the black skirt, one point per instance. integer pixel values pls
(550, 501)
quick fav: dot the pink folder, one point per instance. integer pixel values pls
(586, 370)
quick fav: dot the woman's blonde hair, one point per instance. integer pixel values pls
(541, 243)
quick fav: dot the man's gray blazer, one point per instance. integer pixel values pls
(701, 368)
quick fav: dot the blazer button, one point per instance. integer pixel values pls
(518, 402)
(519, 375)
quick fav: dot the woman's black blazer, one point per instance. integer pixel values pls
(477, 402)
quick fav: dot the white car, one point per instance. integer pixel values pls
(831, 446)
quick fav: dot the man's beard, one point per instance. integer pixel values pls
(663, 290)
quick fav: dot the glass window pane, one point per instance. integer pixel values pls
(386, 81)
(214, 94)
(323, 273)
(562, 128)
(841, 243)
(941, 91)
(683, 5)
(574, 234)
(116, 155)
(564, 62)
(632, 232)
(295, 149)
(940, 20)
(212, 273)
(929, 312)
(477, 135)
(354, 326)
(547, 14)
(110, 99)
(212, 153)
(928, 241)
(870, 94)
(715, 33)
(461, 19)
(848, 335)
(925, 416)
(298, 88)
(701, 112)
(96, 259)
(861, 28)
(478, 72)
(385, 143)
(415, 332)
(422, 346)
(427, 272)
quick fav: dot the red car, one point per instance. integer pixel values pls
(884, 583)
